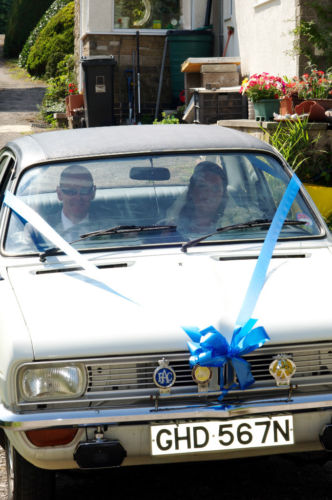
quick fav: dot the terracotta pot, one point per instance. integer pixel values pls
(316, 111)
(325, 103)
(286, 106)
(73, 101)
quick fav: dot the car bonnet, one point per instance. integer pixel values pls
(142, 306)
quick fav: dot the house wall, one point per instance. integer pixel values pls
(96, 39)
(123, 48)
(97, 14)
(264, 36)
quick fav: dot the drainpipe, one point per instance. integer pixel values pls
(80, 85)
(208, 13)
(220, 17)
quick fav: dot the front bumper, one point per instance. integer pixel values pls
(131, 428)
(108, 416)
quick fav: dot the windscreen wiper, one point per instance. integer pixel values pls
(112, 230)
(243, 225)
(127, 229)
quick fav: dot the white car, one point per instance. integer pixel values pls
(165, 297)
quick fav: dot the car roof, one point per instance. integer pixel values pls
(115, 140)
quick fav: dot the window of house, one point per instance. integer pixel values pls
(147, 14)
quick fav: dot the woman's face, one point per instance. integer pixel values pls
(207, 193)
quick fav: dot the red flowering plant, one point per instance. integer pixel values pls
(72, 88)
(263, 86)
(313, 85)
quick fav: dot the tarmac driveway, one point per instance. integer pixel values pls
(19, 100)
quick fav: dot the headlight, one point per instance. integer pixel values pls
(52, 382)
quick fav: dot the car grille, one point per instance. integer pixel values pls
(135, 374)
(128, 380)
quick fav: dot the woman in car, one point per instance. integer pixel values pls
(205, 200)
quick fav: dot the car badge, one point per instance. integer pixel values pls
(282, 369)
(164, 376)
(201, 376)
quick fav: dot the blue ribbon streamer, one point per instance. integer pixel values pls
(29, 215)
(209, 347)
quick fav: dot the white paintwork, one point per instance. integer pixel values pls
(70, 317)
(263, 31)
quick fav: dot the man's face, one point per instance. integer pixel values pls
(76, 192)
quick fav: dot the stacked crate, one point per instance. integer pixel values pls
(216, 83)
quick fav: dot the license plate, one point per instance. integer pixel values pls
(220, 435)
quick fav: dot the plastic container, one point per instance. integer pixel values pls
(181, 45)
(99, 90)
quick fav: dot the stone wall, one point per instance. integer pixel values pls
(306, 12)
(321, 152)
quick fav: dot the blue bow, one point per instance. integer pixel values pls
(209, 347)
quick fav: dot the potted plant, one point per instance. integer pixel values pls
(312, 91)
(74, 100)
(264, 90)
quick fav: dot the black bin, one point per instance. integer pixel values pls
(99, 90)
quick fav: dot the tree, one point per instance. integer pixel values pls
(23, 17)
(4, 12)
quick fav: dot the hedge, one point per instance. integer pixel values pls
(51, 11)
(54, 42)
(23, 17)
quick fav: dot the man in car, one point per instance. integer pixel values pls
(76, 190)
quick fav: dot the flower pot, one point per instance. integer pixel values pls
(73, 101)
(316, 111)
(288, 103)
(265, 108)
(286, 106)
(325, 103)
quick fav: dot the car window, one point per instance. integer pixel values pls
(190, 194)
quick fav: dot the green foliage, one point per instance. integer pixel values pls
(292, 140)
(166, 119)
(57, 88)
(54, 42)
(5, 6)
(51, 11)
(314, 36)
(23, 16)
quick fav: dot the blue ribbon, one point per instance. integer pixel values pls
(209, 347)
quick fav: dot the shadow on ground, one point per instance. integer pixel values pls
(20, 99)
(273, 478)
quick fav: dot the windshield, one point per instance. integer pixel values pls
(195, 193)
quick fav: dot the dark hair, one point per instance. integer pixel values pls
(199, 174)
(74, 171)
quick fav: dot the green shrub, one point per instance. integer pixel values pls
(54, 42)
(292, 140)
(51, 11)
(57, 88)
(23, 17)
(166, 119)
